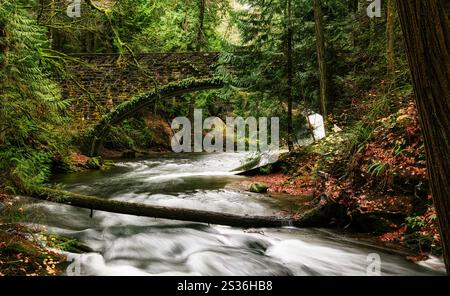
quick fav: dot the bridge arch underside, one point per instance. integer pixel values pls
(94, 137)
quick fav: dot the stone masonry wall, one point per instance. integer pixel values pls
(98, 83)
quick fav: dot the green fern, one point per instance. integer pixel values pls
(31, 108)
(378, 168)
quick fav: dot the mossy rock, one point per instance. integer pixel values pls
(94, 163)
(249, 164)
(259, 188)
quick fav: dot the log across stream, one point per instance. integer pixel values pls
(312, 218)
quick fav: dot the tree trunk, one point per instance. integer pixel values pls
(426, 31)
(3, 46)
(390, 30)
(319, 217)
(320, 45)
(51, 31)
(199, 42)
(290, 76)
(201, 24)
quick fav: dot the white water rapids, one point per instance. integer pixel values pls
(128, 245)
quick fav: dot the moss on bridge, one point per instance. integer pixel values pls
(96, 83)
(92, 139)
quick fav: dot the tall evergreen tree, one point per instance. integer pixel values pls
(267, 61)
(426, 29)
(320, 45)
(390, 39)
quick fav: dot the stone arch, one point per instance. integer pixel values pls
(94, 136)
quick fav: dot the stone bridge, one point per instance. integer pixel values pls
(98, 83)
(93, 137)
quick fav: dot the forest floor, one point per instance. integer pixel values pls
(28, 249)
(381, 182)
(22, 249)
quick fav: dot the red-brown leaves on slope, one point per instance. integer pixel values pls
(282, 183)
(394, 236)
(398, 146)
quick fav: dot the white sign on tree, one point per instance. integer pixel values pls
(317, 125)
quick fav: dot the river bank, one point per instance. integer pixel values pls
(376, 179)
(27, 248)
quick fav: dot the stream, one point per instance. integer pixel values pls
(129, 245)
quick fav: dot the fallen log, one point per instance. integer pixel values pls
(313, 218)
(129, 208)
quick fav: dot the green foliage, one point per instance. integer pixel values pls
(378, 168)
(131, 134)
(358, 137)
(135, 25)
(259, 63)
(174, 26)
(63, 243)
(420, 235)
(399, 147)
(266, 170)
(355, 54)
(13, 212)
(94, 163)
(30, 101)
(414, 224)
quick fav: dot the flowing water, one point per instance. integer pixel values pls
(129, 245)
